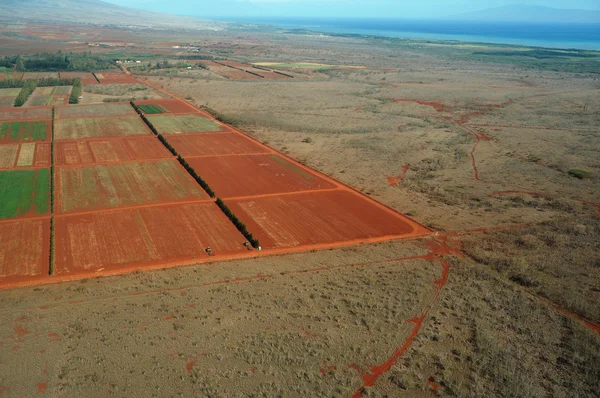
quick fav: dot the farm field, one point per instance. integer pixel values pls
(115, 78)
(251, 175)
(142, 237)
(214, 144)
(100, 110)
(98, 187)
(66, 129)
(25, 155)
(24, 193)
(40, 75)
(25, 131)
(25, 250)
(86, 77)
(9, 92)
(69, 153)
(320, 218)
(173, 106)
(183, 124)
(20, 114)
(7, 102)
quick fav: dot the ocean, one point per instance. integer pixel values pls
(585, 36)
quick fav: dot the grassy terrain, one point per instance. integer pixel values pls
(24, 192)
(23, 131)
(183, 124)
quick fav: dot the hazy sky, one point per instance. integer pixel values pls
(339, 8)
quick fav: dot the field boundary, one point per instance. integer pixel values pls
(52, 169)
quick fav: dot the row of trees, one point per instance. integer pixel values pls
(82, 62)
(76, 92)
(236, 221)
(26, 91)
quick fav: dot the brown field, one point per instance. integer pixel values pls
(86, 77)
(25, 113)
(154, 235)
(100, 110)
(24, 253)
(7, 102)
(115, 78)
(320, 218)
(498, 156)
(8, 155)
(183, 124)
(214, 144)
(25, 155)
(66, 129)
(250, 175)
(98, 187)
(174, 106)
(40, 75)
(109, 150)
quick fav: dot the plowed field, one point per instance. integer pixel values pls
(214, 144)
(25, 113)
(24, 193)
(183, 124)
(169, 105)
(320, 218)
(24, 252)
(99, 127)
(124, 184)
(250, 175)
(86, 77)
(96, 110)
(142, 237)
(71, 153)
(115, 78)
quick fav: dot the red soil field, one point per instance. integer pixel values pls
(69, 153)
(250, 175)
(86, 77)
(25, 250)
(31, 113)
(174, 106)
(128, 184)
(320, 218)
(214, 144)
(141, 237)
(115, 78)
(43, 155)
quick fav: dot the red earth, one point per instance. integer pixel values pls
(214, 144)
(250, 175)
(69, 153)
(25, 250)
(137, 238)
(320, 218)
(123, 185)
(115, 78)
(174, 106)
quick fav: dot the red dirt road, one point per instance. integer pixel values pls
(214, 144)
(25, 250)
(250, 175)
(320, 218)
(141, 237)
(69, 153)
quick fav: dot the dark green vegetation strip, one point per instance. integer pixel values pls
(23, 192)
(196, 177)
(26, 91)
(75, 92)
(150, 109)
(59, 62)
(45, 82)
(238, 223)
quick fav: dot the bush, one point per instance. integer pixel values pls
(238, 224)
(581, 174)
(26, 91)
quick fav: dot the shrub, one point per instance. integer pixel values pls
(581, 174)
(26, 91)
(75, 92)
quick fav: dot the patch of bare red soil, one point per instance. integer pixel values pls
(393, 181)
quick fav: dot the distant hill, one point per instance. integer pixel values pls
(529, 13)
(96, 12)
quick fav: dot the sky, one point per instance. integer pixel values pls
(338, 8)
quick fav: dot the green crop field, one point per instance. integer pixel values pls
(24, 192)
(152, 109)
(23, 131)
(183, 124)
(99, 127)
(124, 184)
